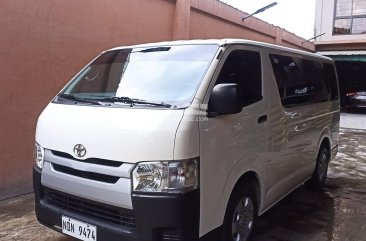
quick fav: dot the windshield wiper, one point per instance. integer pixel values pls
(128, 100)
(78, 99)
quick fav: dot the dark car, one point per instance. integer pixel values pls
(355, 99)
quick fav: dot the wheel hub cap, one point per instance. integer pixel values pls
(243, 219)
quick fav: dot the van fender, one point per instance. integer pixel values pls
(325, 134)
(245, 165)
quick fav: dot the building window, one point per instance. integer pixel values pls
(350, 17)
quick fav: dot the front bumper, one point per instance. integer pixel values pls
(355, 103)
(156, 217)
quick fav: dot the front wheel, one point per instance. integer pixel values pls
(319, 176)
(240, 215)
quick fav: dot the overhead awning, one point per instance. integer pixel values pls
(345, 55)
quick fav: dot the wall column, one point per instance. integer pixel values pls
(181, 24)
(279, 36)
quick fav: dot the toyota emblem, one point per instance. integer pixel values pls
(79, 150)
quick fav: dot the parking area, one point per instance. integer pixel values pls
(354, 119)
(337, 213)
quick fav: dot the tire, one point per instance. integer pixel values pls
(319, 177)
(240, 214)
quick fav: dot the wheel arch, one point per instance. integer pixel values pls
(246, 186)
(249, 176)
(325, 139)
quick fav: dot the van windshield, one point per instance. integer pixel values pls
(167, 74)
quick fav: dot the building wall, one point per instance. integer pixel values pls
(324, 19)
(45, 42)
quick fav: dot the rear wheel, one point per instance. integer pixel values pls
(319, 176)
(240, 215)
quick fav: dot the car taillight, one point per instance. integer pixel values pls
(351, 94)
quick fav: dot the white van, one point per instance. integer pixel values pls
(183, 141)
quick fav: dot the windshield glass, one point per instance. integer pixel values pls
(169, 74)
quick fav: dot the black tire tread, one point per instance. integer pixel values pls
(247, 187)
(314, 183)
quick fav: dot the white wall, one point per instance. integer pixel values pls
(324, 23)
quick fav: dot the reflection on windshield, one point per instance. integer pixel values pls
(161, 74)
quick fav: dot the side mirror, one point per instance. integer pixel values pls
(225, 99)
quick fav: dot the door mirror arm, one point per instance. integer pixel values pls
(211, 114)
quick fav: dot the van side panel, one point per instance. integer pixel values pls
(295, 135)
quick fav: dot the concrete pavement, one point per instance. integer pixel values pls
(353, 120)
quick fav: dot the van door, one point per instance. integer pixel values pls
(228, 141)
(291, 131)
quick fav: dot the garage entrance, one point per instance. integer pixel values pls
(352, 82)
(351, 69)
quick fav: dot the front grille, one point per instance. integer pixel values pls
(97, 161)
(102, 212)
(88, 175)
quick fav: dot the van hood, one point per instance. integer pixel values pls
(122, 134)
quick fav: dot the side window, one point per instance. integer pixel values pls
(329, 75)
(319, 88)
(243, 68)
(302, 81)
(292, 85)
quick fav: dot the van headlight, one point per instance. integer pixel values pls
(38, 155)
(169, 176)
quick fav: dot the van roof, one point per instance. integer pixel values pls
(225, 42)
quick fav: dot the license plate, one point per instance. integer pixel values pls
(361, 97)
(79, 230)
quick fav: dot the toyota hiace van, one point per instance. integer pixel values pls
(186, 140)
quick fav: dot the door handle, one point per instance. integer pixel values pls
(262, 119)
